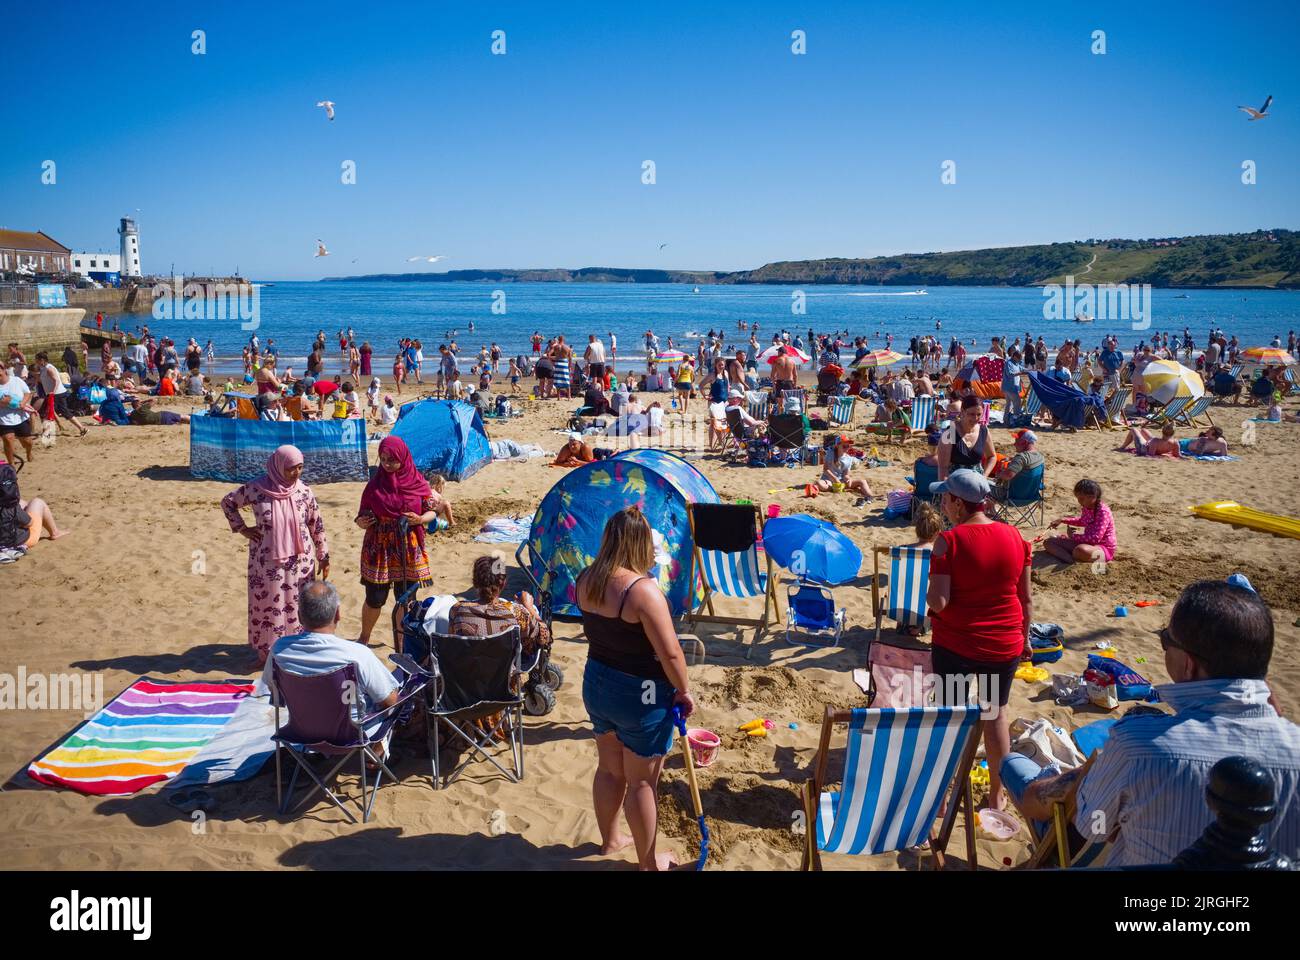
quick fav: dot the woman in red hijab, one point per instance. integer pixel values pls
(396, 491)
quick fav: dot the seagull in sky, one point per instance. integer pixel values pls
(662, 245)
(320, 249)
(1260, 113)
(329, 107)
(428, 259)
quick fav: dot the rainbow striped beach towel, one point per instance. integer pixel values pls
(145, 735)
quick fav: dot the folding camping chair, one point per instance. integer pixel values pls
(787, 431)
(899, 766)
(908, 580)
(736, 438)
(325, 719)
(1022, 498)
(792, 401)
(1115, 406)
(922, 414)
(1195, 411)
(473, 678)
(725, 560)
(810, 608)
(842, 411)
(922, 476)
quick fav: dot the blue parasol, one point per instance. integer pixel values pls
(811, 548)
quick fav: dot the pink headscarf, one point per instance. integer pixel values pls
(389, 495)
(286, 532)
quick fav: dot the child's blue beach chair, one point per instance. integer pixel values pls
(899, 766)
(907, 583)
(811, 611)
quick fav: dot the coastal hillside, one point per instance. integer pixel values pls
(1265, 258)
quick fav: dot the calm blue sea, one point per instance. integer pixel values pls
(291, 313)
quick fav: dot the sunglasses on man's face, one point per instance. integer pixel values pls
(1167, 640)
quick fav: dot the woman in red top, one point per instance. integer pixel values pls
(980, 608)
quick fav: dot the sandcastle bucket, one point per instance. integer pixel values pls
(704, 745)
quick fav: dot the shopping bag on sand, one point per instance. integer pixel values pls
(1044, 743)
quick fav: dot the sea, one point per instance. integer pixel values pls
(382, 312)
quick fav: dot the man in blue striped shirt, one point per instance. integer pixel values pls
(1146, 788)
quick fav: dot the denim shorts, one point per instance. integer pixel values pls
(615, 703)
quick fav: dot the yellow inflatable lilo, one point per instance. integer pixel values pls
(1229, 511)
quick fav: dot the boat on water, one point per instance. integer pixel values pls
(1082, 318)
(696, 290)
(1182, 296)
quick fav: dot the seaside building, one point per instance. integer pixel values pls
(130, 255)
(103, 267)
(32, 253)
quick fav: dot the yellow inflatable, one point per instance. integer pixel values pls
(1229, 511)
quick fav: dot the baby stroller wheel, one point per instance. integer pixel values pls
(539, 701)
(553, 676)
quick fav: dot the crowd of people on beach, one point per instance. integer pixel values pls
(1151, 777)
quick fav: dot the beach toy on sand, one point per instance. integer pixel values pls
(1121, 611)
(758, 732)
(979, 775)
(1229, 511)
(1002, 826)
(704, 745)
(794, 726)
(752, 725)
(810, 490)
(1147, 603)
(773, 511)
(680, 721)
(1032, 674)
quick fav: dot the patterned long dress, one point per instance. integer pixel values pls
(381, 553)
(273, 584)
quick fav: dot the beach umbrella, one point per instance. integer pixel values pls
(877, 358)
(772, 352)
(812, 548)
(1163, 380)
(669, 356)
(1266, 357)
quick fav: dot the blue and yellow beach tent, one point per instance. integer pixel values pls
(445, 435)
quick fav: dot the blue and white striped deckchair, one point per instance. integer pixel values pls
(1115, 407)
(1291, 378)
(842, 409)
(908, 581)
(899, 766)
(1235, 370)
(1201, 408)
(724, 561)
(1032, 405)
(757, 405)
(1171, 411)
(922, 413)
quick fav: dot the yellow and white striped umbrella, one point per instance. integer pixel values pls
(1163, 380)
(1267, 356)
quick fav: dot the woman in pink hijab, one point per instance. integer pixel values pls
(396, 492)
(286, 546)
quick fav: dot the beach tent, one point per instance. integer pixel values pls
(235, 451)
(983, 375)
(1068, 403)
(445, 435)
(567, 528)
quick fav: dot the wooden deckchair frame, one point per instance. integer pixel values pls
(771, 610)
(938, 841)
(1057, 838)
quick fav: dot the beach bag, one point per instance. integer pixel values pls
(1045, 744)
(1045, 640)
(759, 452)
(1129, 684)
(898, 501)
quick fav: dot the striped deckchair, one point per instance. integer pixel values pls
(1171, 411)
(899, 766)
(1292, 379)
(1115, 406)
(907, 582)
(758, 405)
(922, 413)
(725, 561)
(1235, 370)
(1032, 404)
(842, 410)
(1195, 411)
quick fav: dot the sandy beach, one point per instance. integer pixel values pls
(152, 582)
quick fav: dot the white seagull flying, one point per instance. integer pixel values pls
(662, 245)
(1258, 114)
(428, 259)
(329, 107)
(320, 249)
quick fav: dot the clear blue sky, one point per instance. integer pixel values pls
(534, 158)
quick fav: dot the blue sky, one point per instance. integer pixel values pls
(534, 158)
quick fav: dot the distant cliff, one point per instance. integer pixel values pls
(1265, 258)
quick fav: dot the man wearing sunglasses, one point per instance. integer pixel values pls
(1146, 788)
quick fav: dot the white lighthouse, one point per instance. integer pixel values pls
(130, 248)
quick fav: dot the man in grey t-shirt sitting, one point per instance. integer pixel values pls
(1027, 457)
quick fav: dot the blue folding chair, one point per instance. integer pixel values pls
(1022, 498)
(810, 609)
(907, 582)
(899, 766)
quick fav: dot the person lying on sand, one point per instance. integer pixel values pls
(1097, 541)
(1145, 446)
(574, 453)
(1208, 443)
